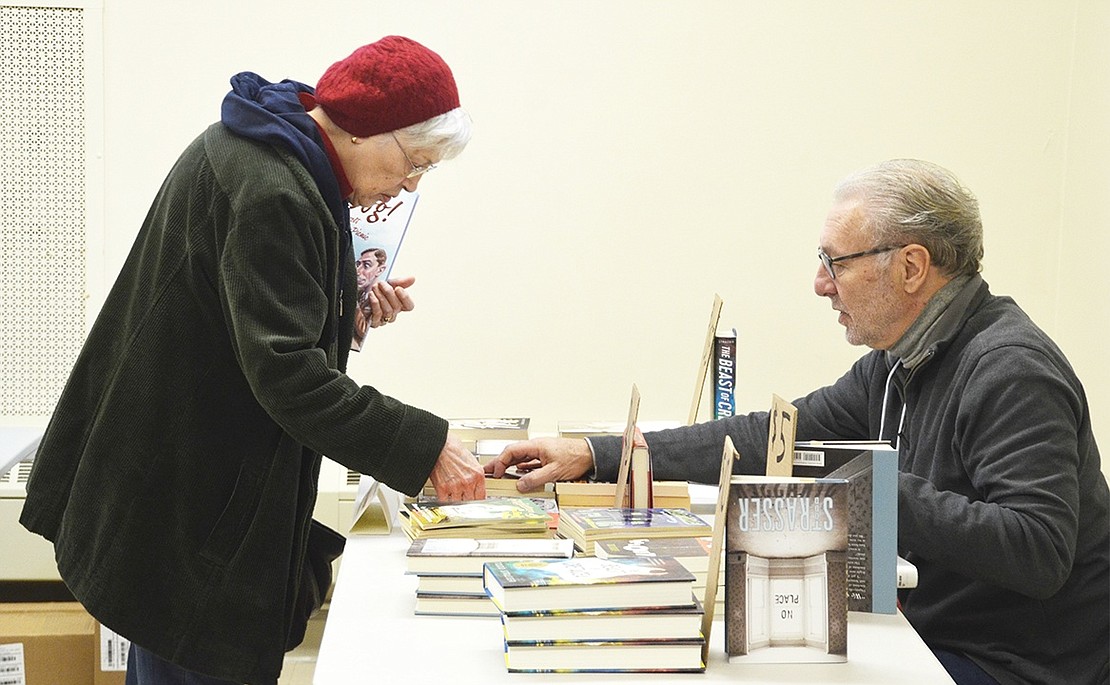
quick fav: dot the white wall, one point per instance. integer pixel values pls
(632, 158)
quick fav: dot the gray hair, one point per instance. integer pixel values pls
(911, 201)
(444, 135)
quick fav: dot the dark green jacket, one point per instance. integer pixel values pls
(178, 474)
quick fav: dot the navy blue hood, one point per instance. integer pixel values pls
(272, 113)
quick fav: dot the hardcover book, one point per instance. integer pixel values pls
(467, 556)
(587, 583)
(724, 375)
(605, 624)
(587, 525)
(691, 552)
(436, 604)
(785, 548)
(872, 472)
(376, 235)
(628, 656)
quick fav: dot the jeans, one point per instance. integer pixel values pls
(963, 670)
(147, 668)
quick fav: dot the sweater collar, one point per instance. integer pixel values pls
(941, 317)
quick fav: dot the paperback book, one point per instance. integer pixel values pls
(587, 583)
(376, 235)
(588, 525)
(785, 557)
(467, 556)
(497, 517)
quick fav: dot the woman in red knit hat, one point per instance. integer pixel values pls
(178, 474)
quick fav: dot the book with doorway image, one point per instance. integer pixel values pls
(376, 235)
(786, 543)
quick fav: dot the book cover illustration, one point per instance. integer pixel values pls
(587, 571)
(599, 521)
(588, 583)
(785, 577)
(693, 552)
(493, 511)
(376, 235)
(724, 376)
(604, 624)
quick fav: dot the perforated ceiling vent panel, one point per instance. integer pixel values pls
(43, 239)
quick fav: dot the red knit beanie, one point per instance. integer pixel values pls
(387, 85)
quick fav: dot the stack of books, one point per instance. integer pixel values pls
(667, 494)
(470, 431)
(449, 570)
(493, 517)
(597, 615)
(692, 553)
(588, 525)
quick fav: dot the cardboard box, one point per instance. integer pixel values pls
(49, 643)
(58, 643)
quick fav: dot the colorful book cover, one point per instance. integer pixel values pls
(605, 624)
(588, 583)
(521, 512)
(611, 656)
(376, 235)
(786, 544)
(594, 521)
(724, 376)
(691, 552)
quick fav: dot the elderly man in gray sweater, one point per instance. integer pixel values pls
(1002, 501)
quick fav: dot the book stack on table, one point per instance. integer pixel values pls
(692, 553)
(588, 525)
(588, 614)
(449, 570)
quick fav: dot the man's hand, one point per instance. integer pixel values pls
(388, 299)
(543, 460)
(457, 475)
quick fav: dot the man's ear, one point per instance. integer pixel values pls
(915, 264)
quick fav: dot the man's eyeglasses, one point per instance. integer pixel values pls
(828, 261)
(416, 170)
